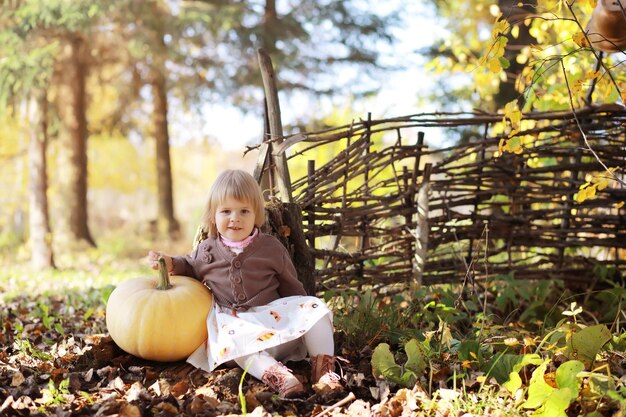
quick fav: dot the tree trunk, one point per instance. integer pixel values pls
(40, 233)
(167, 224)
(73, 151)
(515, 15)
(284, 221)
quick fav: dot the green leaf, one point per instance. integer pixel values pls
(566, 375)
(514, 383)
(416, 357)
(556, 404)
(549, 401)
(504, 62)
(619, 396)
(384, 364)
(470, 351)
(516, 363)
(585, 344)
(501, 366)
(538, 390)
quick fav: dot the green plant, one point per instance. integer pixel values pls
(549, 401)
(527, 300)
(26, 348)
(362, 318)
(242, 397)
(50, 322)
(384, 363)
(55, 395)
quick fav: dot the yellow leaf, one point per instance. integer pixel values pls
(592, 75)
(499, 27)
(577, 87)
(602, 184)
(516, 117)
(497, 49)
(494, 66)
(514, 145)
(580, 39)
(591, 4)
(515, 32)
(528, 341)
(502, 147)
(591, 192)
(528, 73)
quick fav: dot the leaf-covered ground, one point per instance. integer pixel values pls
(57, 359)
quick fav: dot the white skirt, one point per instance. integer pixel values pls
(236, 334)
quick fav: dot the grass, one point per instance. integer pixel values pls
(118, 257)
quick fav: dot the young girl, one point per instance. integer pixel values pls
(261, 313)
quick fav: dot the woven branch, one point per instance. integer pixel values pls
(363, 209)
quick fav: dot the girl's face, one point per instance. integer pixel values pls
(234, 219)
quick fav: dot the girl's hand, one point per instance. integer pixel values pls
(153, 258)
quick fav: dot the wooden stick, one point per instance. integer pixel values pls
(341, 403)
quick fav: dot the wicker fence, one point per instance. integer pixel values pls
(381, 208)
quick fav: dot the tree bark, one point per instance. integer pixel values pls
(73, 150)
(166, 221)
(39, 221)
(284, 221)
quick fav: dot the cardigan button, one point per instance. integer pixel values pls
(237, 264)
(241, 297)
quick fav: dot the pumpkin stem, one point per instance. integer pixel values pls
(164, 277)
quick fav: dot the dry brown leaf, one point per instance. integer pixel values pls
(17, 379)
(180, 388)
(166, 407)
(129, 410)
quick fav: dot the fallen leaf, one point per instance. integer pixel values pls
(17, 379)
(179, 389)
(129, 410)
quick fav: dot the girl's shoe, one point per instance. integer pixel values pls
(280, 379)
(323, 376)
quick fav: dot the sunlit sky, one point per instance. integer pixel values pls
(398, 96)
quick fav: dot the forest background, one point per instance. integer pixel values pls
(110, 111)
(157, 106)
(149, 87)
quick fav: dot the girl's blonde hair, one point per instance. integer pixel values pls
(237, 184)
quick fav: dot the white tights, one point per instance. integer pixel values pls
(318, 341)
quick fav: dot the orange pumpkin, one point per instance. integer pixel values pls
(160, 318)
